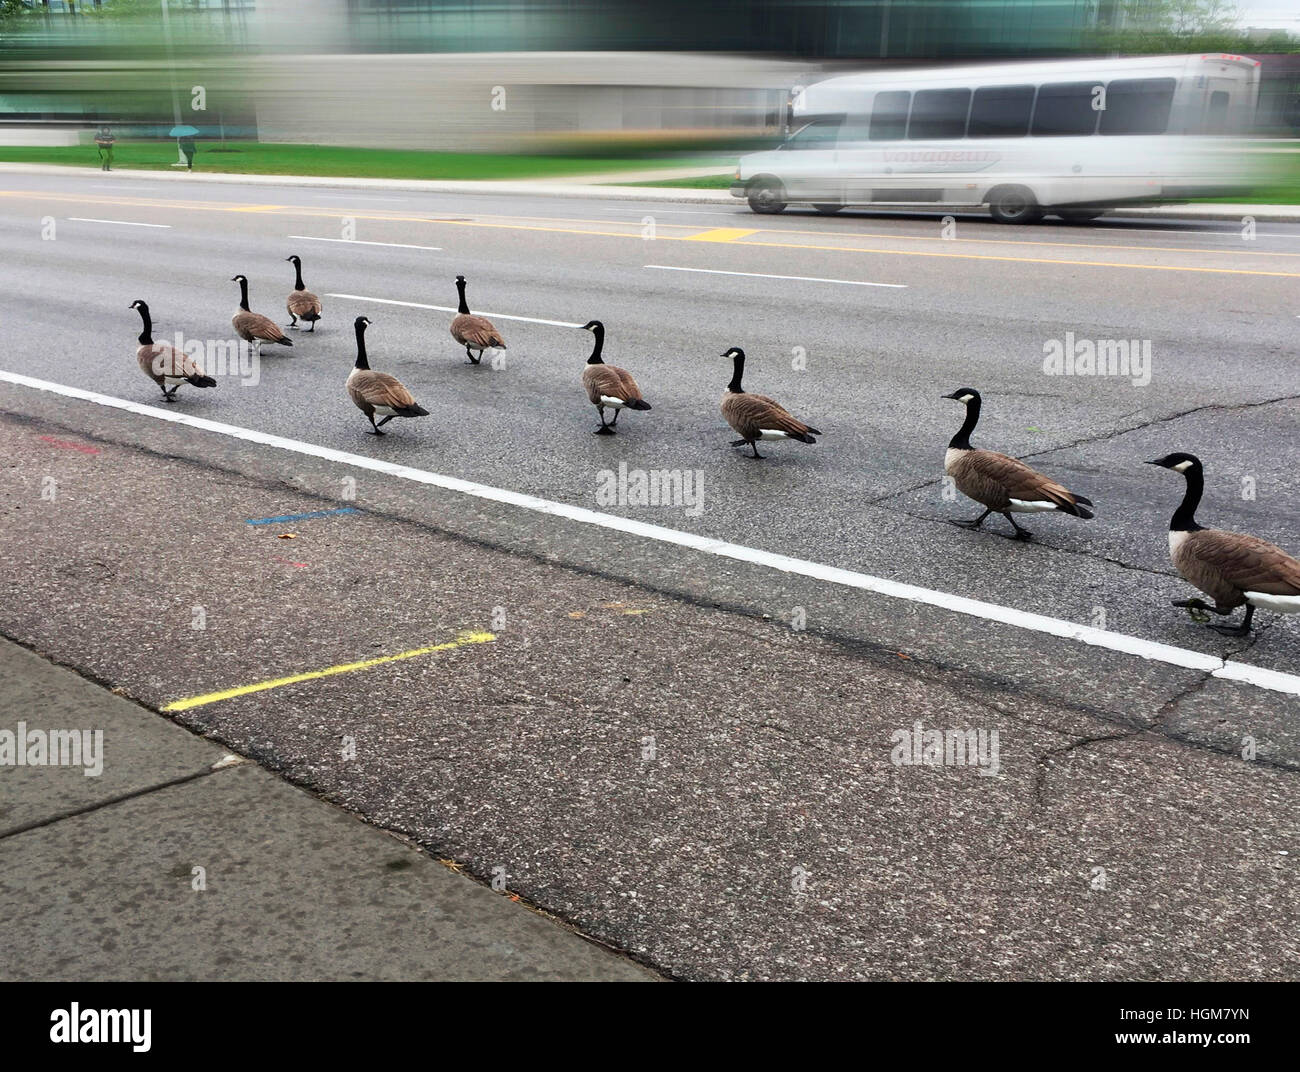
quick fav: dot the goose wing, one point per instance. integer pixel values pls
(379, 389)
(748, 413)
(1001, 476)
(304, 303)
(257, 326)
(477, 331)
(159, 359)
(1245, 562)
(610, 381)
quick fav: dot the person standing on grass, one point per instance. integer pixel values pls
(104, 142)
(188, 148)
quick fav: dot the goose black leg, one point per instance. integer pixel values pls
(294, 322)
(472, 359)
(373, 425)
(1237, 630)
(384, 421)
(972, 524)
(604, 428)
(740, 442)
(1021, 534)
(313, 326)
(615, 420)
(754, 444)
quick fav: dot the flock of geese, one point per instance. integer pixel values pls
(1233, 569)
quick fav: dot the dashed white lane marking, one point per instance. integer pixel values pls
(358, 242)
(452, 309)
(1262, 677)
(764, 275)
(120, 223)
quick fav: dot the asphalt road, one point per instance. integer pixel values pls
(976, 311)
(702, 786)
(865, 364)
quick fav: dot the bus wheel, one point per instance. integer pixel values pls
(766, 196)
(1014, 204)
(828, 210)
(1078, 215)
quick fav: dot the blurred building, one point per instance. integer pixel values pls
(479, 74)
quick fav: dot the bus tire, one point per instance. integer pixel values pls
(1014, 204)
(766, 196)
(828, 210)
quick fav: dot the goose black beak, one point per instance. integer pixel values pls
(1156, 462)
(953, 396)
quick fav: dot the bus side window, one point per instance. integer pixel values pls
(1065, 109)
(889, 115)
(1137, 106)
(1001, 111)
(939, 113)
(1216, 113)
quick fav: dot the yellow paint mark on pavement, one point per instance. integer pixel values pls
(461, 641)
(720, 234)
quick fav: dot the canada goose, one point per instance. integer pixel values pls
(1000, 483)
(758, 417)
(302, 302)
(254, 327)
(608, 385)
(378, 392)
(1229, 567)
(165, 364)
(473, 332)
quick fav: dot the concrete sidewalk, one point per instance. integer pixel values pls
(181, 861)
(587, 186)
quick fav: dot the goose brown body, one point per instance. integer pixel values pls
(474, 332)
(254, 327)
(1000, 483)
(163, 363)
(302, 303)
(755, 417)
(377, 392)
(1232, 568)
(1228, 565)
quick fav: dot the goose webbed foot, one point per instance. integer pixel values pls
(1197, 609)
(756, 454)
(1236, 630)
(313, 326)
(604, 429)
(974, 524)
(740, 442)
(1021, 534)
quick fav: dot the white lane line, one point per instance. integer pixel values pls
(358, 242)
(1262, 677)
(453, 309)
(120, 223)
(764, 275)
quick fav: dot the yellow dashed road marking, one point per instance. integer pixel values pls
(724, 235)
(720, 234)
(461, 641)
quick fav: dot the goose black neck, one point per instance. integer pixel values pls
(297, 276)
(243, 294)
(146, 336)
(1184, 519)
(362, 363)
(738, 366)
(595, 358)
(460, 289)
(961, 441)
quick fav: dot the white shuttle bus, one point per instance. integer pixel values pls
(1069, 138)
